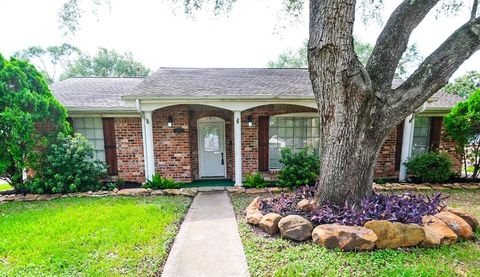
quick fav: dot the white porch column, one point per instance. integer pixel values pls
(149, 155)
(237, 119)
(406, 147)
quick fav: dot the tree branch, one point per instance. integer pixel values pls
(473, 12)
(393, 41)
(435, 71)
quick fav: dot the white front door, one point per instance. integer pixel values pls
(211, 147)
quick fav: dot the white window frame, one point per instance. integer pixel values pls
(93, 132)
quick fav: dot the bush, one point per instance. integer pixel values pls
(255, 181)
(299, 169)
(68, 166)
(159, 182)
(430, 167)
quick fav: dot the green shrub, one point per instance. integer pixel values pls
(255, 181)
(301, 168)
(430, 167)
(159, 182)
(68, 166)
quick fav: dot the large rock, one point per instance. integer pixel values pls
(457, 224)
(133, 192)
(470, 219)
(307, 205)
(254, 217)
(269, 223)
(189, 192)
(172, 191)
(254, 205)
(347, 238)
(412, 234)
(395, 235)
(295, 227)
(437, 232)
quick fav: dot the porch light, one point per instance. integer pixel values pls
(250, 121)
(170, 121)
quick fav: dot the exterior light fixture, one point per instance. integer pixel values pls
(170, 121)
(250, 121)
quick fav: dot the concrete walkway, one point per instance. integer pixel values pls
(208, 243)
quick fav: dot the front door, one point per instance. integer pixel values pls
(211, 147)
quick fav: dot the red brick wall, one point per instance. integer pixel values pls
(226, 115)
(172, 151)
(447, 145)
(385, 166)
(128, 133)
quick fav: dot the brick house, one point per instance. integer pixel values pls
(192, 124)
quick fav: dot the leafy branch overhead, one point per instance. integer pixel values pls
(298, 58)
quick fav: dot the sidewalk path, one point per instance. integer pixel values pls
(208, 243)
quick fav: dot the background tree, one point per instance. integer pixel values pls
(50, 60)
(298, 59)
(356, 103)
(464, 85)
(106, 63)
(30, 117)
(463, 125)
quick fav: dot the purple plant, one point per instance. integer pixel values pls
(405, 208)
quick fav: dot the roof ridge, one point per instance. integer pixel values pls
(107, 77)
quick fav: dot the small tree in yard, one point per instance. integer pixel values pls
(30, 118)
(463, 125)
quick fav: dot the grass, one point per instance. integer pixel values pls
(5, 187)
(88, 236)
(273, 256)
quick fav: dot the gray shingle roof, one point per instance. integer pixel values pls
(106, 93)
(94, 93)
(225, 82)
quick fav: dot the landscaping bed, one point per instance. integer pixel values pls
(89, 236)
(272, 255)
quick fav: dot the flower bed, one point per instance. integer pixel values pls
(380, 221)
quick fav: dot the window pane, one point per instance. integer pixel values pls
(211, 140)
(421, 135)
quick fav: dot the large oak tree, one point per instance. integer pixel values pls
(357, 104)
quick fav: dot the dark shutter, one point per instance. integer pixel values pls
(263, 143)
(110, 145)
(435, 130)
(70, 121)
(398, 146)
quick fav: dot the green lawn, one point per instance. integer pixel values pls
(269, 256)
(5, 187)
(88, 236)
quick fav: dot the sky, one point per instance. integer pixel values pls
(160, 35)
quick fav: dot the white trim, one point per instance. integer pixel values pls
(211, 119)
(237, 121)
(148, 142)
(406, 146)
(74, 115)
(296, 115)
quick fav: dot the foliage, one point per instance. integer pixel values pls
(430, 167)
(298, 58)
(275, 256)
(299, 169)
(68, 166)
(159, 182)
(30, 118)
(50, 60)
(404, 208)
(254, 181)
(462, 124)
(106, 63)
(89, 236)
(464, 85)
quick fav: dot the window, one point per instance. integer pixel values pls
(92, 129)
(296, 133)
(211, 142)
(421, 135)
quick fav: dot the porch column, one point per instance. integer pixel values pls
(237, 119)
(149, 158)
(406, 147)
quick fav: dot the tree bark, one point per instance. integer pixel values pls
(357, 105)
